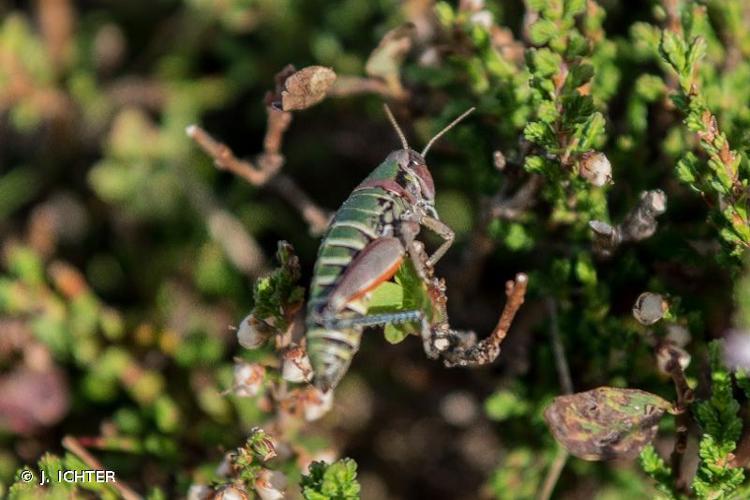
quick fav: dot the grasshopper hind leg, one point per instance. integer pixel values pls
(333, 341)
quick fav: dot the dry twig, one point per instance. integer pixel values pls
(267, 171)
(639, 224)
(487, 350)
(685, 397)
(480, 245)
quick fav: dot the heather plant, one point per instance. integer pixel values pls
(167, 172)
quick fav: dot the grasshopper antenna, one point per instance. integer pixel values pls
(446, 129)
(395, 125)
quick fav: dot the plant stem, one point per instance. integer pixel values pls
(566, 383)
(685, 397)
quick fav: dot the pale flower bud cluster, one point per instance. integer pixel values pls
(249, 379)
(595, 168)
(296, 366)
(253, 333)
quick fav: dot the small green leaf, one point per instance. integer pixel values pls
(673, 50)
(591, 132)
(542, 31)
(336, 481)
(574, 7)
(578, 75)
(394, 334)
(388, 296)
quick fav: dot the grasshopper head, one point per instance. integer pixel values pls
(414, 176)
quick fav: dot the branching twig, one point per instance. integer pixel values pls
(561, 362)
(267, 171)
(685, 397)
(72, 445)
(347, 86)
(480, 244)
(512, 208)
(515, 290)
(488, 348)
(638, 225)
(224, 158)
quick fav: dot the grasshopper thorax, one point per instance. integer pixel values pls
(414, 177)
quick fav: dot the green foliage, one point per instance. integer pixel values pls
(720, 175)
(719, 419)
(336, 481)
(278, 296)
(567, 124)
(658, 470)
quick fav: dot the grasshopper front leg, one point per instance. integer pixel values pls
(475, 353)
(410, 227)
(441, 229)
(460, 348)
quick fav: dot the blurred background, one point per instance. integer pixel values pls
(126, 255)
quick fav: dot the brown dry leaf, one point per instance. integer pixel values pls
(306, 87)
(385, 61)
(605, 423)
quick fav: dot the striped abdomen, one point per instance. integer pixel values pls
(364, 217)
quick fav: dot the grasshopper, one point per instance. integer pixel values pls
(366, 243)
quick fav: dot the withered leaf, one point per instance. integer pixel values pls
(605, 423)
(385, 61)
(306, 87)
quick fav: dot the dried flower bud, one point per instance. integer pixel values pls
(248, 379)
(270, 484)
(595, 168)
(649, 308)
(606, 238)
(641, 222)
(297, 367)
(666, 353)
(225, 467)
(315, 403)
(253, 333)
(261, 444)
(231, 492)
(199, 492)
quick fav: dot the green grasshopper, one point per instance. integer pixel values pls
(366, 243)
